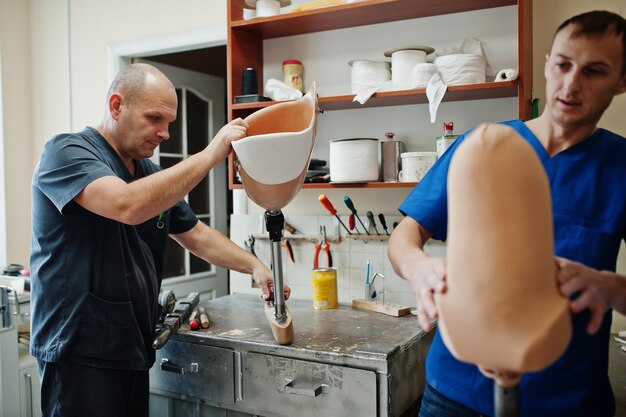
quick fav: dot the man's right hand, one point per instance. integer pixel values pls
(427, 277)
(220, 146)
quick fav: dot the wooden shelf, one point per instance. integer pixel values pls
(403, 97)
(353, 14)
(246, 42)
(236, 186)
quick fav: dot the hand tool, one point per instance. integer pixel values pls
(381, 218)
(328, 205)
(351, 222)
(289, 249)
(249, 244)
(167, 302)
(290, 228)
(173, 320)
(350, 205)
(194, 323)
(370, 217)
(204, 317)
(322, 245)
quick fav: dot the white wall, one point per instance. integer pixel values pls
(18, 122)
(54, 76)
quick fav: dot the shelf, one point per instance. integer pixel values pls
(353, 14)
(403, 97)
(236, 186)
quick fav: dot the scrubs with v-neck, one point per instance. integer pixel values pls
(588, 189)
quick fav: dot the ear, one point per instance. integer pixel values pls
(622, 86)
(545, 65)
(115, 105)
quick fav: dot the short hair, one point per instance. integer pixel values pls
(129, 82)
(598, 22)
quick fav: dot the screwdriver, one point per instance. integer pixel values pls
(350, 205)
(370, 217)
(351, 222)
(381, 217)
(328, 205)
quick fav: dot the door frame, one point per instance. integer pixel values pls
(119, 54)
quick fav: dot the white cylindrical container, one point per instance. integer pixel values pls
(415, 165)
(265, 8)
(366, 74)
(403, 60)
(354, 160)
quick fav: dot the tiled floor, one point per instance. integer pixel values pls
(617, 375)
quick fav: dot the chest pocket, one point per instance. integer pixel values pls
(580, 241)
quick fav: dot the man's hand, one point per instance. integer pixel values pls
(265, 280)
(220, 147)
(427, 277)
(595, 288)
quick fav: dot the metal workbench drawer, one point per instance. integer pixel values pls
(288, 387)
(204, 373)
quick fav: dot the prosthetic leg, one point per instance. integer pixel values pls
(502, 310)
(278, 315)
(272, 162)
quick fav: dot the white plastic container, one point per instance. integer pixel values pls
(354, 160)
(415, 165)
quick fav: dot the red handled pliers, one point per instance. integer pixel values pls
(322, 245)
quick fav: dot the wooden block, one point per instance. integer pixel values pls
(283, 332)
(389, 309)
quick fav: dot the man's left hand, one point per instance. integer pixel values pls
(595, 289)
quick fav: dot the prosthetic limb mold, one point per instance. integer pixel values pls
(502, 310)
(272, 163)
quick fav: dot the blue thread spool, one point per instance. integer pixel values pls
(249, 82)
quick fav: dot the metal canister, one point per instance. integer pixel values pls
(390, 158)
(324, 288)
(293, 72)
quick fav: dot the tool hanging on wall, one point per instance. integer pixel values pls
(249, 244)
(351, 222)
(287, 245)
(350, 205)
(328, 205)
(323, 245)
(381, 218)
(370, 217)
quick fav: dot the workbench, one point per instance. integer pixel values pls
(342, 362)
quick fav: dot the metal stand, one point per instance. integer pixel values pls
(506, 400)
(274, 224)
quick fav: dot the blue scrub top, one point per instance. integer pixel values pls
(588, 187)
(95, 281)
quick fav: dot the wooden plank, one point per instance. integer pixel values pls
(388, 309)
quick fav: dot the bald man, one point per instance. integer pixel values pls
(102, 213)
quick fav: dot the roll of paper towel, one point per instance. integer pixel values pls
(508, 74)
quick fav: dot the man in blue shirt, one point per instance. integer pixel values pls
(102, 213)
(586, 168)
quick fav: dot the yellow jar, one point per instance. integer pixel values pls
(293, 72)
(324, 288)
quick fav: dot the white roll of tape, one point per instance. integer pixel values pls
(421, 74)
(366, 74)
(508, 74)
(458, 69)
(267, 8)
(402, 64)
